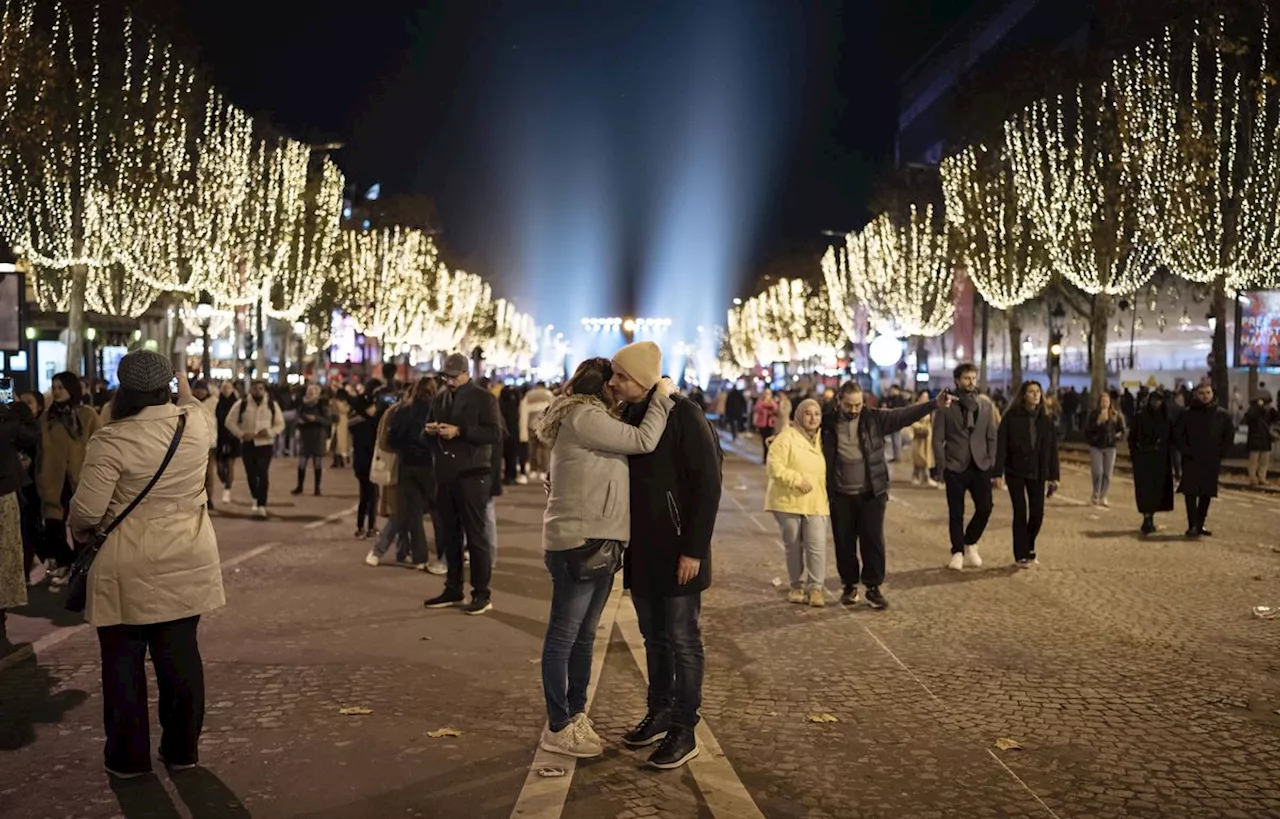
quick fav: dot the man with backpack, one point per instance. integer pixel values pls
(257, 421)
(675, 494)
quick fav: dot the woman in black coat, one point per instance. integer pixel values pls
(313, 435)
(1027, 456)
(1151, 453)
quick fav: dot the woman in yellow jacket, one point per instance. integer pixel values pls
(797, 497)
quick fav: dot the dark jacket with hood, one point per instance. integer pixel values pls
(474, 411)
(1027, 445)
(873, 425)
(675, 495)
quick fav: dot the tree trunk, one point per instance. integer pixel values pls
(1218, 370)
(75, 319)
(1015, 349)
(1099, 317)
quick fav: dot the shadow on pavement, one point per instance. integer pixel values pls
(942, 576)
(143, 798)
(1136, 535)
(207, 796)
(27, 699)
(534, 628)
(45, 604)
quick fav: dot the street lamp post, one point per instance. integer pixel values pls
(204, 314)
(91, 359)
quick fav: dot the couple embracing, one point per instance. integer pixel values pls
(635, 483)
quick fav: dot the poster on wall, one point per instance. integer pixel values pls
(1260, 328)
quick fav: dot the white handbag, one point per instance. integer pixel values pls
(383, 471)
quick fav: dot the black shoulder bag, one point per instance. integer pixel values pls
(78, 576)
(596, 559)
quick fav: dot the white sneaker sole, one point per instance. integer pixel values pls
(679, 763)
(555, 749)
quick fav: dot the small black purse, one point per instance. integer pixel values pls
(596, 559)
(78, 575)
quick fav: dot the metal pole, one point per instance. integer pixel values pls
(206, 359)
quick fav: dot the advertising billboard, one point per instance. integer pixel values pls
(1260, 328)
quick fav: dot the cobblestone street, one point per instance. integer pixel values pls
(1131, 672)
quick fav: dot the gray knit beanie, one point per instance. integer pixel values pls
(144, 371)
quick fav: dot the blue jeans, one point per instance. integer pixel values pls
(389, 533)
(570, 640)
(673, 652)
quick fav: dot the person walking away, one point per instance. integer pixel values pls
(1106, 429)
(257, 421)
(209, 403)
(1027, 456)
(313, 426)
(390, 506)
(1070, 411)
(964, 444)
(466, 425)
(228, 443)
(509, 409)
(1151, 453)
(797, 497)
(363, 423)
(1204, 435)
(735, 410)
(416, 483)
(588, 512)
(1128, 405)
(18, 431)
(922, 464)
(1261, 421)
(765, 418)
(853, 444)
(675, 493)
(535, 402)
(158, 571)
(68, 426)
(340, 412)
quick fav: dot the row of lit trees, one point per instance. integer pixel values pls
(789, 321)
(123, 178)
(1169, 161)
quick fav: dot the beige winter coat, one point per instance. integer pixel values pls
(161, 563)
(61, 458)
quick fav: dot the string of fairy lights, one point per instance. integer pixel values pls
(790, 321)
(125, 177)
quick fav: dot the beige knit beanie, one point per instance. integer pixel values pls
(642, 361)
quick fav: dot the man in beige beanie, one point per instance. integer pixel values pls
(675, 493)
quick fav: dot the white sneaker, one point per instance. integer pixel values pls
(933, 484)
(371, 559)
(437, 568)
(254, 509)
(915, 480)
(260, 511)
(521, 480)
(226, 496)
(587, 729)
(957, 561)
(1102, 501)
(971, 557)
(569, 741)
(1093, 500)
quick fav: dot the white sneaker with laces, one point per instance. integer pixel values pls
(226, 496)
(587, 729)
(569, 741)
(371, 559)
(254, 509)
(971, 557)
(957, 561)
(261, 512)
(521, 480)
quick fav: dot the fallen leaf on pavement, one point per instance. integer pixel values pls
(550, 772)
(444, 732)
(823, 718)
(355, 711)
(777, 581)
(772, 714)
(1006, 744)
(424, 638)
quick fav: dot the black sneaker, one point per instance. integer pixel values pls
(678, 747)
(443, 601)
(850, 597)
(1204, 532)
(1193, 533)
(875, 599)
(478, 606)
(1148, 526)
(651, 729)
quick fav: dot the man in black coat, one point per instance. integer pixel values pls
(1203, 434)
(675, 494)
(735, 410)
(1151, 453)
(467, 426)
(858, 484)
(509, 409)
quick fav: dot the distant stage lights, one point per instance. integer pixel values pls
(628, 325)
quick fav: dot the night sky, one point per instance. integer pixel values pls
(533, 124)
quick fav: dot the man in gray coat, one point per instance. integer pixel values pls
(964, 445)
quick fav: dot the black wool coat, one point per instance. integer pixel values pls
(1016, 455)
(675, 495)
(1150, 452)
(1203, 434)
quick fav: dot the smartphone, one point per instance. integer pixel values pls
(6, 390)
(173, 385)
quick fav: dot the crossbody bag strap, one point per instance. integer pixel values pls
(168, 456)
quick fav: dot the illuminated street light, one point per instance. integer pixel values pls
(629, 326)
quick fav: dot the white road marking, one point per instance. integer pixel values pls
(751, 516)
(53, 638)
(722, 789)
(544, 797)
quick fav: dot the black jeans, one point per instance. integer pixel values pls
(1197, 510)
(462, 507)
(1028, 513)
(510, 459)
(673, 653)
(257, 470)
(412, 500)
(978, 484)
(367, 507)
(175, 654)
(858, 521)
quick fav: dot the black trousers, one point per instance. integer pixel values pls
(978, 484)
(1197, 510)
(510, 459)
(257, 470)
(412, 503)
(367, 508)
(858, 521)
(175, 655)
(462, 507)
(1028, 514)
